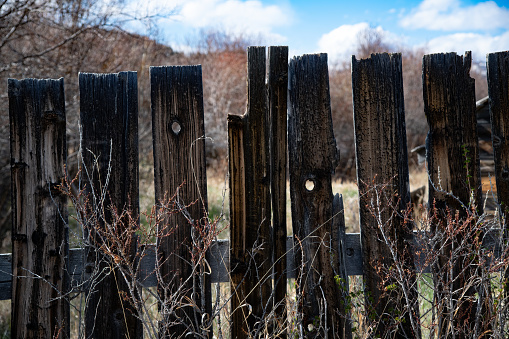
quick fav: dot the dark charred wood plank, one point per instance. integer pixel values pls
(384, 192)
(498, 88)
(109, 151)
(40, 232)
(250, 211)
(180, 172)
(339, 232)
(313, 158)
(454, 183)
(277, 96)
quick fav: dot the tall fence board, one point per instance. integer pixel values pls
(109, 169)
(313, 158)
(384, 191)
(179, 169)
(498, 88)
(454, 181)
(251, 239)
(277, 101)
(40, 233)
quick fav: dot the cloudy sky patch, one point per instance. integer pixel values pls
(333, 26)
(450, 15)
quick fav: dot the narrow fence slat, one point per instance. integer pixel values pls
(40, 281)
(498, 87)
(250, 229)
(453, 167)
(237, 244)
(384, 192)
(109, 151)
(277, 99)
(338, 212)
(179, 169)
(313, 158)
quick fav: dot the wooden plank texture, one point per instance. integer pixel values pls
(39, 218)
(109, 150)
(313, 158)
(498, 89)
(180, 171)
(277, 99)
(384, 193)
(250, 211)
(338, 210)
(454, 185)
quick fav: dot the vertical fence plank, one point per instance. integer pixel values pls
(339, 227)
(109, 146)
(40, 234)
(179, 166)
(238, 269)
(313, 158)
(498, 88)
(251, 243)
(277, 98)
(384, 192)
(453, 167)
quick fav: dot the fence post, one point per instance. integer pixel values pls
(250, 230)
(313, 158)
(453, 167)
(40, 250)
(179, 168)
(277, 99)
(498, 87)
(109, 169)
(384, 193)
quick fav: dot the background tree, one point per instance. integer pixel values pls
(373, 41)
(58, 38)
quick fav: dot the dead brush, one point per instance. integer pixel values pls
(461, 258)
(122, 247)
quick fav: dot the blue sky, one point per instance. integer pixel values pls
(333, 26)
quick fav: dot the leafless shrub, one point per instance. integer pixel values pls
(461, 259)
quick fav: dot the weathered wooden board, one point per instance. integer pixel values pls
(40, 232)
(250, 203)
(384, 191)
(277, 99)
(313, 158)
(498, 87)
(109, 151)
(180, 171)
(340, 227)
(454, 184)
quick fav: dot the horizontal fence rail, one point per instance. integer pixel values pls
(220, 261)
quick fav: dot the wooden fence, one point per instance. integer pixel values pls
(288, 112)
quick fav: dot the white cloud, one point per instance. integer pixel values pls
(479, 44)
(250, 17)
(449, 15)
(341, 43)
